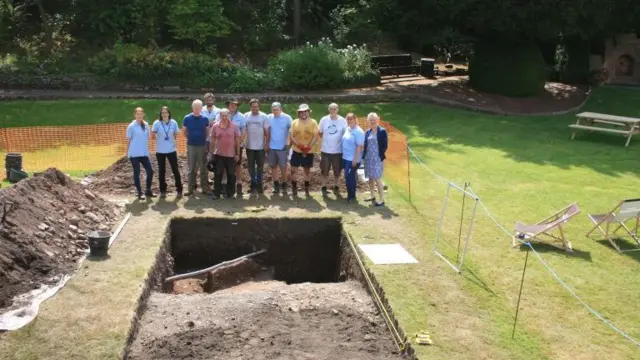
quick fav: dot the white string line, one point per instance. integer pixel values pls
(549, 269)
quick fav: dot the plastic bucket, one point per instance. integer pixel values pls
(99, 243)
(17, 175)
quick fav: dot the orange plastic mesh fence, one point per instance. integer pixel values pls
(89, 148)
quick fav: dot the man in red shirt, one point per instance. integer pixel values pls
(225, 150)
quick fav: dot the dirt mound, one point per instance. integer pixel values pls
(44, 222)
(118, 178)
(275, 321)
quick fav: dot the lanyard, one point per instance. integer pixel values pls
(166, 129)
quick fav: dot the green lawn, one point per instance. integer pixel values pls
(523, 169)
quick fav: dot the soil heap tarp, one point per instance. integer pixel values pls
(44, 222)
(118, 178)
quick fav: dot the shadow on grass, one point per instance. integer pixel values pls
(549, 248)
(542, 140)
(94, 258)
(626, 245)
(473, 278)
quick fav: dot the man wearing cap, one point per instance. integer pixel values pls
(195, 128)
(331, 129)
(280, 124)
(303, 136)
(238, 119)
(257, 144)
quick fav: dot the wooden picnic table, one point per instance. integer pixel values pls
(591, 121)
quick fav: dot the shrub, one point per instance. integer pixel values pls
(246, 79)
(516, 70)
(321, 66)
(150, 67)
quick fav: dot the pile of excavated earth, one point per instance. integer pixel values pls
(44, 223)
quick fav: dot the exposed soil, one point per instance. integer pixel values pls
(266, 320)
(45, 231)
(556, 97)
(118, 178)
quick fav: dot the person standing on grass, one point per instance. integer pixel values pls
(138, 133)
(352, 150)
(375, 147)
(280, 124)
(238, 119)
(166, 129)
(331, 129)
(303, 136)
(257, 145)
(195, 128)
(225, 150)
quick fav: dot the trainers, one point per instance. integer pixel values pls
(141, 197)
(163, 195)
(149, 194)
(276, 187)
(379, 204)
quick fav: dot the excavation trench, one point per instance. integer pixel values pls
(302, 294)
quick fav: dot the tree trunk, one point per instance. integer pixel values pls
(48, 32)
(296, 20)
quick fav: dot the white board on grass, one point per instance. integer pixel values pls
(384, 254)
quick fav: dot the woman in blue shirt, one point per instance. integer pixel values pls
(352, 150)
(375, 148)
(138, 151)
(166, 130)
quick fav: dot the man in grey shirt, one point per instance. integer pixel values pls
(257, 125)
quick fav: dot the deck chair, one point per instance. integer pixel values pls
(625, 211)
(546, 227)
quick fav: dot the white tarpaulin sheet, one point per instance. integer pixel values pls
(25, 307)
(383, 254)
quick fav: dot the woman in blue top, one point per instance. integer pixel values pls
(138, 151)
(166, 130)
(352, 149)
(375, 147)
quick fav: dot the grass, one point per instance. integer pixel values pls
(523, 168)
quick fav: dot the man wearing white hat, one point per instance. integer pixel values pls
(303, 136)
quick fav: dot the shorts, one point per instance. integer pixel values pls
(327, 161)
(298, 160)
(277, 158)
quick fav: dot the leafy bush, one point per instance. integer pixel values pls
(516, 70)
(322, 66)
(150, 67)
(246, 79)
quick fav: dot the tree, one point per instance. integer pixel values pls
(198, 21)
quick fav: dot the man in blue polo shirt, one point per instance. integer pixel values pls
(195, 127)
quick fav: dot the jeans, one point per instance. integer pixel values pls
(196, 156)
(351, 178)
(228, 164)
(162, 170)
(255, 159)
(135, 162)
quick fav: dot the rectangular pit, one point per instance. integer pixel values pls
(306, 297)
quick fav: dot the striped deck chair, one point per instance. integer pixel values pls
(625, 211)
(546, 227)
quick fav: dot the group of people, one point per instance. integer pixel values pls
(218, 138)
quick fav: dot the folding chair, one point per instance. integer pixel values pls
(623, 212)
(546, 226)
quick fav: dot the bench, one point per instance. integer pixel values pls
(399, 64)
(591, 121)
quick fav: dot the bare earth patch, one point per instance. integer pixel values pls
(269, 320)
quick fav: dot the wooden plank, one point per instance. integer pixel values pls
(614, 118)
(609, 122)
(600, 129)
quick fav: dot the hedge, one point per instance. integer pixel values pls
(516, 70)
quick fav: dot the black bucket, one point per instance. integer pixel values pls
(12, 161)
(99, 243)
